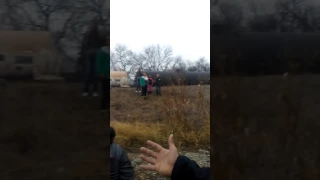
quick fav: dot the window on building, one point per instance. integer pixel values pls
(24, 60)
(2, 57)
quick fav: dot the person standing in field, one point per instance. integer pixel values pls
(90, 46)
(150, 84)
(138, 76)
(103, 69)
(144, 85)
(158, 83)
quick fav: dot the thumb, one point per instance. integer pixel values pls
(170, 142)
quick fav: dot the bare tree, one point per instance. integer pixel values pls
(261, 21)
(191, 66)
(138, 60)
(178, 63)
(8, 15)
(229, 14)
(122, 57)
(202, 65)
(123, 60)
(297, 15)
(99, 9)
(35, 14)
(156, 58)
(152, 58)
(113, 62)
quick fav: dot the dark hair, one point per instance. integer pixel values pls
(112, 134)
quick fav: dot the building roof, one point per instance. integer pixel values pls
(118, 74)
(26, 40)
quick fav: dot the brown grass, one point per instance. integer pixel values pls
(182, 110)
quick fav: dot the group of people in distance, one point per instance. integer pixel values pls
(144, 84)
(166, 162)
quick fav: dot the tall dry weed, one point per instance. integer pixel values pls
(187, 118)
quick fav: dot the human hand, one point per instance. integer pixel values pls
(162, 160)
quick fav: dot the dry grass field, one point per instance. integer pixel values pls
(266, 128)
(49, 132)
(182, 110)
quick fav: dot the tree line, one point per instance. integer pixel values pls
(265, 53)
(153, 58)
(283, 15)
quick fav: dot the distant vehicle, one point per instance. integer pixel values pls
(119, 79)
(26, 54)
(182, 78)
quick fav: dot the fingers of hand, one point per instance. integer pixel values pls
(171, 142)
(155, 146)
(148, 152)
(148, 159)
(147, 167)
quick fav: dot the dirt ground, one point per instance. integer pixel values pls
(48, 131)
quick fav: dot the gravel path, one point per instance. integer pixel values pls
(202, 157)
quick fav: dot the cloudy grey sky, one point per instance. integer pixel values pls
(182, 24)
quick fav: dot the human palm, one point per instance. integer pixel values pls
(161, 160)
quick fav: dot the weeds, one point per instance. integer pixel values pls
(182, 110)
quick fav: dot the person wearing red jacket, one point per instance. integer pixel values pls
(168, 162)
(150, 84)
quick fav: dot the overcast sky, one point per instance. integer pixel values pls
(182, 24)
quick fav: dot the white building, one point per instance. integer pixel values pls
(24, 53)
(119, 78)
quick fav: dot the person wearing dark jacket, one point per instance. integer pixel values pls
(168, 162)
(144, 85)
(90, 46)
(103, 69)
(138, 75)
(158, 83)
(120, 165)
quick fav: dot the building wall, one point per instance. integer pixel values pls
(118, 79)
(29, 63)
